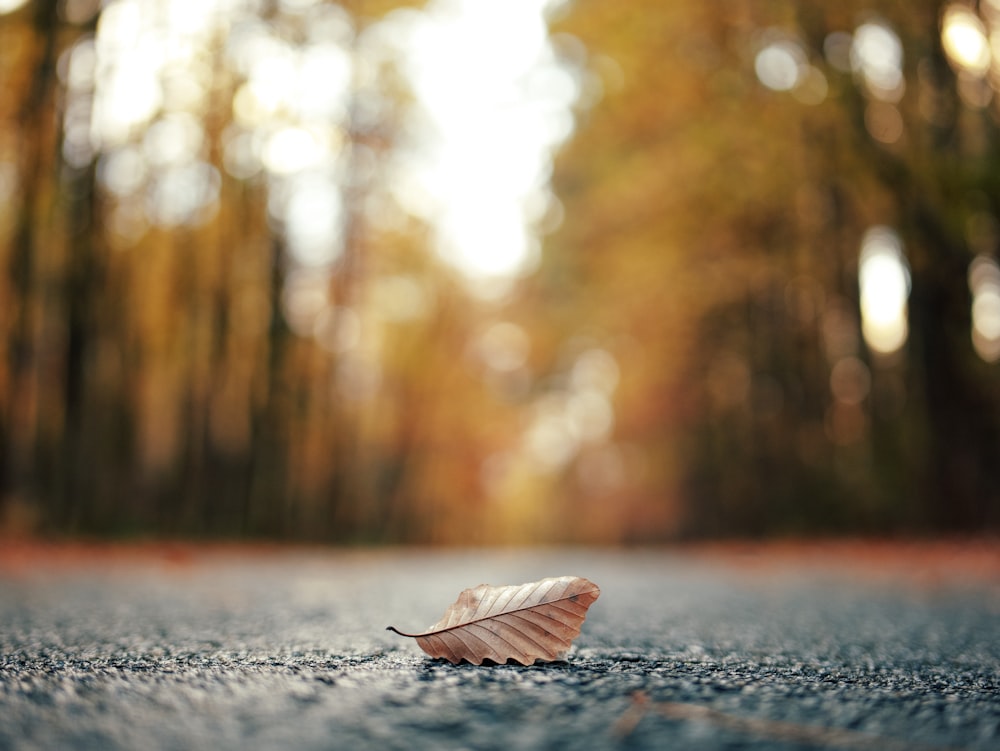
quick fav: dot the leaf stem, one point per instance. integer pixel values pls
(401, 633)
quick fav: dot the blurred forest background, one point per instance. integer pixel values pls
(473, 271)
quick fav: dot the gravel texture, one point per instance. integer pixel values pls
(288, 650)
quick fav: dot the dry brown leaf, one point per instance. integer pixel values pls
(520, 622)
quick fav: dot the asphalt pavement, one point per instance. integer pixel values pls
(287, 649)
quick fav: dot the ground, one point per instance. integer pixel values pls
(802, 646)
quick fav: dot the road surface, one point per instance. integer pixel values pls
(189, 648)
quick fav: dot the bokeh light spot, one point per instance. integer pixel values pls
(9, 6)
(313, 217)
(884, 281)
(965, 41)
(877, 56)
(291, 150)
(550, 441)
(241, 154)
(323, 83)
(122, 171)
(504, 346)
(78, 66)
(812, 87)
(779, 66)
(883, 122)
(488, 127)
(984, 283)
(183, 194)
(591, 416)
(172, 140)
(595, 369)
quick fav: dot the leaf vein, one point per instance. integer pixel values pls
(533, 607)
(531, 639)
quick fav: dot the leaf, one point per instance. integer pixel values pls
(520, 622)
